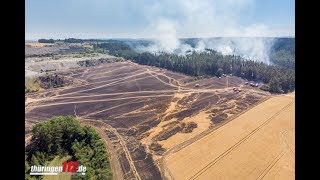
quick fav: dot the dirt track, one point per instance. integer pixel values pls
(114, 161)
(131, 104)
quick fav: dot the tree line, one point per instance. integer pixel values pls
(278, 79)
(46, 41)
(63, 135)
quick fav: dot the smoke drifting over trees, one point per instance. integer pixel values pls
(197, 57)
(171, 20)
(253, 48)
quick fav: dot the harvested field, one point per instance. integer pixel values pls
(258, 144)
(36, 44)
(142, 112)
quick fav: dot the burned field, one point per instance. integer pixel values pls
(140, 109)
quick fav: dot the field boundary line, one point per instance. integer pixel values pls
(239, 142)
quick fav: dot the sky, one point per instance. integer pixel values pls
(152, 18)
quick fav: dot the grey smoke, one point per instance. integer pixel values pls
(205, 19)
(253, 48)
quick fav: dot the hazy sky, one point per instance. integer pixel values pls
(148, 18)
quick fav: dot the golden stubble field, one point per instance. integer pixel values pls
(258, 144)
(36, 44)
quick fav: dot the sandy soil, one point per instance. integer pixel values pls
(203, 122)
(258, 144)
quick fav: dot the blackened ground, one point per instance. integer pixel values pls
(127, 100)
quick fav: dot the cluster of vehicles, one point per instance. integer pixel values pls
(236, 89)
(252, 84)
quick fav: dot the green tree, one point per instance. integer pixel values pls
(275, 85)
(63, 135)
(219, 72)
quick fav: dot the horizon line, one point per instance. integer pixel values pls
(149, 38)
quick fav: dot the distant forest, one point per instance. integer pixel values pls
(46, 41)
(278, 77)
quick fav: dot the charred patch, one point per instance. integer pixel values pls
(188, 99)
(219, 118)
(168, 132)
(157, 148)
(53, 81)
(188, 128)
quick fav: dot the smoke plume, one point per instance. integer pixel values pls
(205, 19)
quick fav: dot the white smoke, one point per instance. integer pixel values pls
(253, 48)
(203, 19)
(166, 39)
